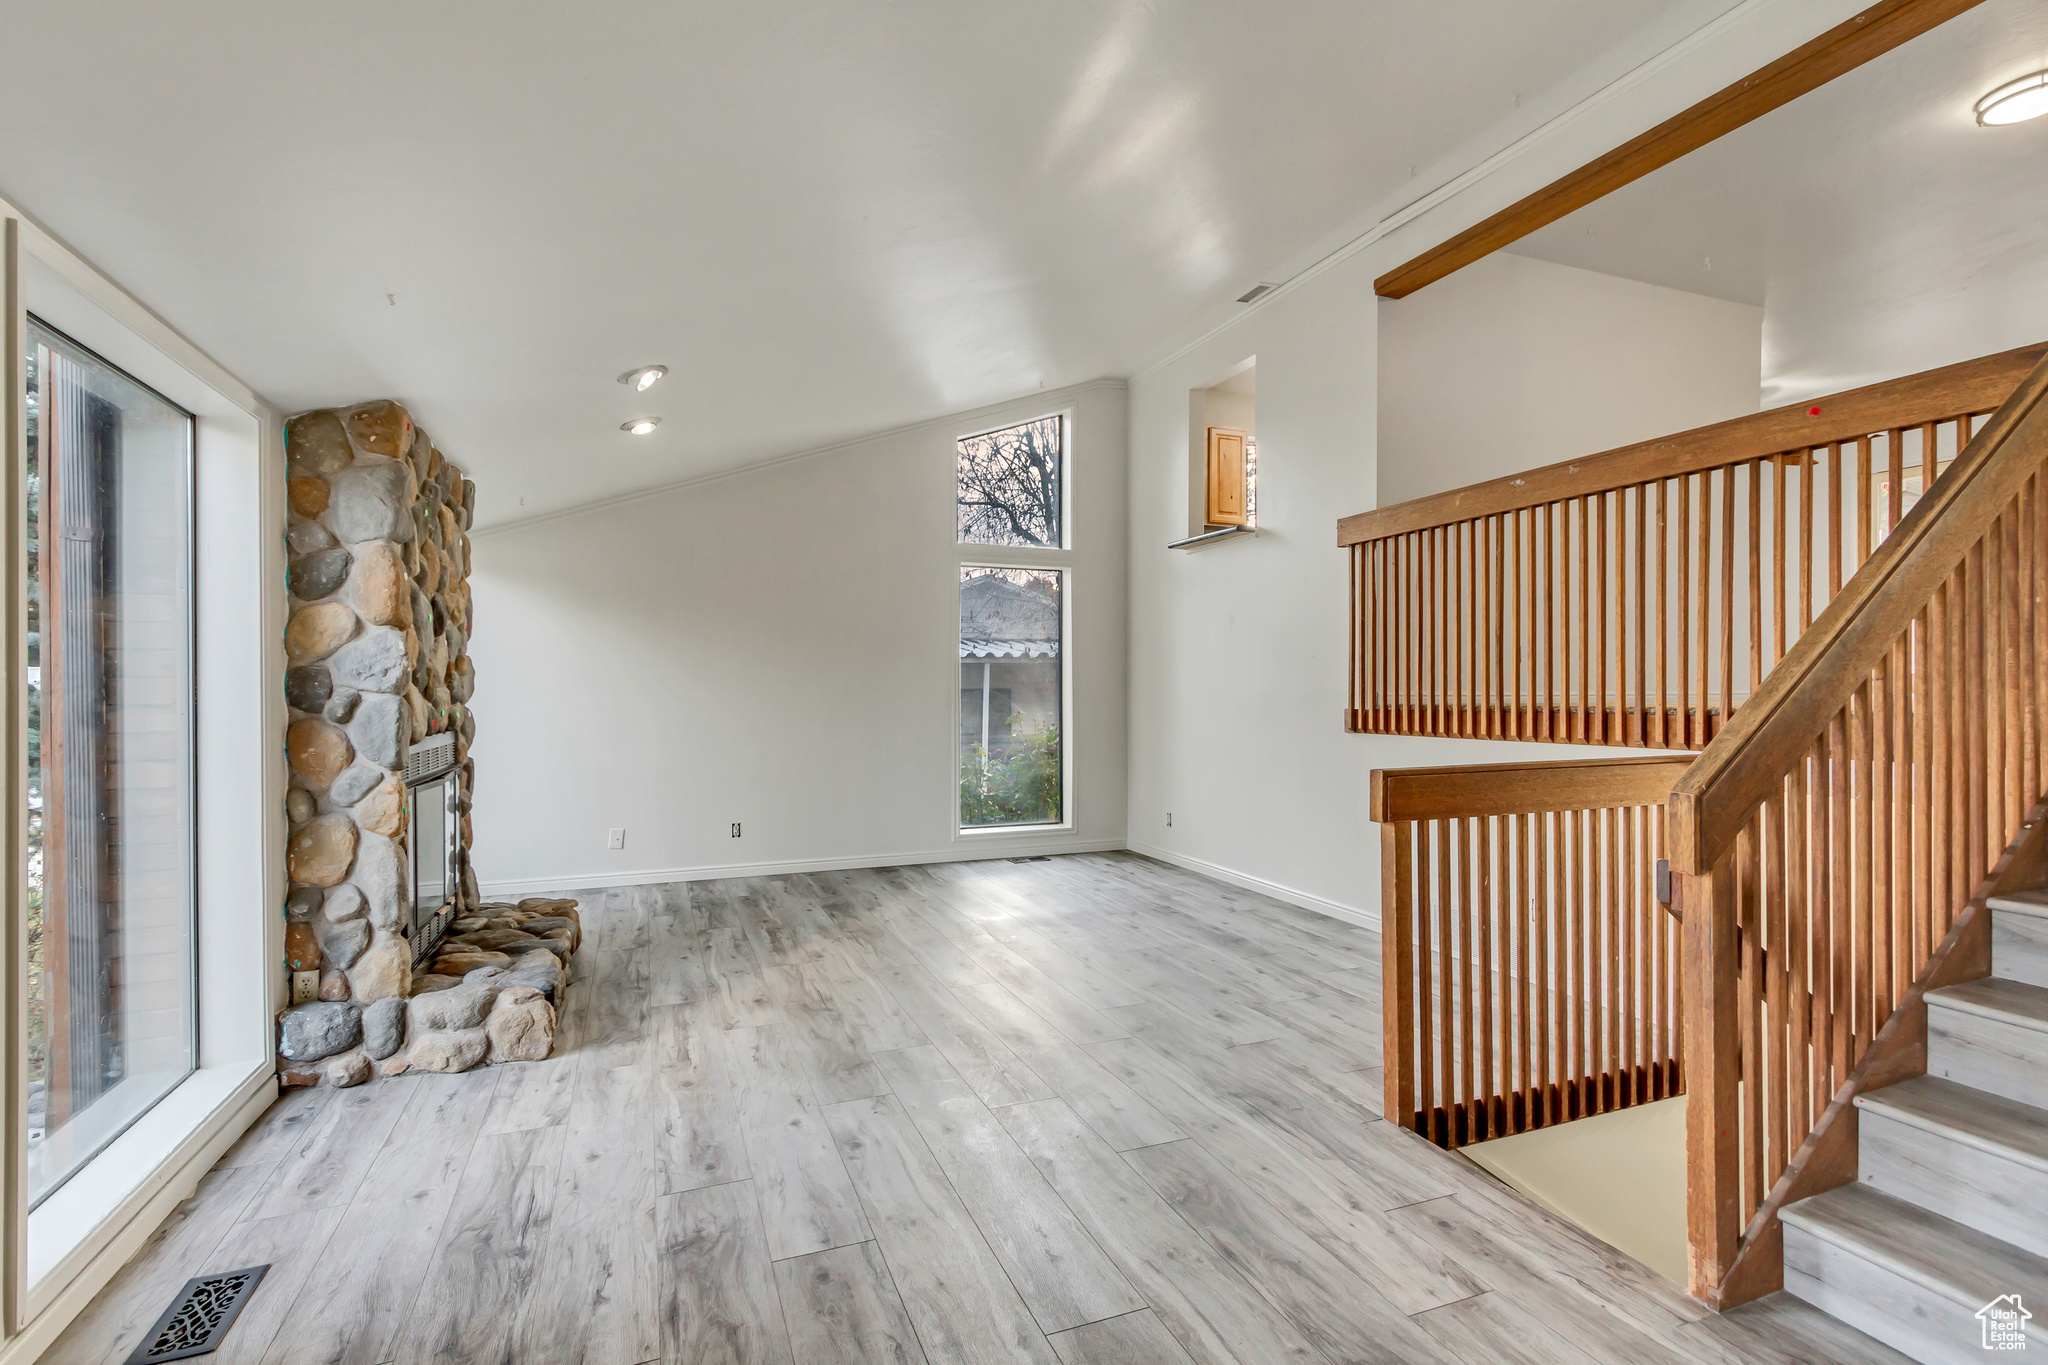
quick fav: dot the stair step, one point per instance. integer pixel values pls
(2023, 902)
(1978, 1158)
(1991, 1035)
(2019, 937)
(1905, 1275)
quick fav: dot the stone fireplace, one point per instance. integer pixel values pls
(395, 962)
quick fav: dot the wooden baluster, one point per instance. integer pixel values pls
(2029, 594)
(1799, 1005)
(1713, 1187)
(1780, 548)
(1633, 862)
(1727, 595)
(1484, 832)
(1642, 581)
(1834, 520)
(1875, 754)
(1806, 518)
(2037, 667)
(1778, 1000)
(1467, 1079)
(1597, 681)
(1522, 1114)
(1973, 747)
(1663, 740)
(1582, 727)
(1541, 875)
(1397, 968)
(1756, 576)
(1841, 890)
(1446, 950)
(1571, 1034)
(1427, 1047)
(1702, 654)
(1895, 488)
(1863, 476)
(2014, 694)
(1930, 720)
(1602, 949)
(1550, 642)
(1683, 616)
(1749, 997)
(1459, 633)
(1511, 694)
(1503, 603)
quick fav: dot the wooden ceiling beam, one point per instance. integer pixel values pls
(1842, 48)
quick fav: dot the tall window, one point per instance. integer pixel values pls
(1012, 665)
(111, 1008)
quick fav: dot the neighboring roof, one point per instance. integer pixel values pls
(1001, 619)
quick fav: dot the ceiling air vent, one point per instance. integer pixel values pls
(200, 1316)
(1258, 291)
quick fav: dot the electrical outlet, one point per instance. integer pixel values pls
(735, 829)
(615, 839)
(1169, 819)
(305, 986)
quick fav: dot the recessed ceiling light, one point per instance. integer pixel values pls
(2015, 101)
(640, 426)
(644, 378)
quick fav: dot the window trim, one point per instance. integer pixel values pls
(1066, 545)
(975, 555)
(191, 530)
(117, 1200)
(1067, 823)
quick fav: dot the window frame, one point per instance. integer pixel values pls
(978, 555)
(88, 1227)
(1066, 510)
(190, 516)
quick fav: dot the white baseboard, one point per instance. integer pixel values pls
(967, 851)
(1350, 914)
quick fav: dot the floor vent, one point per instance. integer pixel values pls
(1040, 858)
(200, 1316)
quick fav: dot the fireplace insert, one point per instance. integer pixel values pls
(433, 793)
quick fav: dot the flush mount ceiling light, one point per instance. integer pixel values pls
(644, 378)
(2015, 101)
(640, 426)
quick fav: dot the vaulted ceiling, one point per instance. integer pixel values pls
(827, 219)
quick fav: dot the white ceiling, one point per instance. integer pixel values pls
(1881, 229)
(827, 219)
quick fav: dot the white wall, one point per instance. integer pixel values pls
(1238, 668)
(779, 648)
(1515, 363)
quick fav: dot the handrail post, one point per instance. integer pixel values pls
(1713, 1075)
(1397, 972)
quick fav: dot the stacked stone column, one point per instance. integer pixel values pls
(377, 658)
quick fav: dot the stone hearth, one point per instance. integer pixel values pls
(377, 655)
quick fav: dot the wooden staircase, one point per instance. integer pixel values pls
(1949, 1211)
(1858, 855)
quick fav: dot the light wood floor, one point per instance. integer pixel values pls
(1092, 1109)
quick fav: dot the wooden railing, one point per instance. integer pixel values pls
(1637, 596)
(1529, 975)
(1832, 844)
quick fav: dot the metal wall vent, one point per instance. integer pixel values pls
(199, 1317)
(1257, 292)
(430, 757)
(1041, 858)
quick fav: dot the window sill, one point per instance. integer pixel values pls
(69, 1228)
(1212, 538)
(984, 831)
